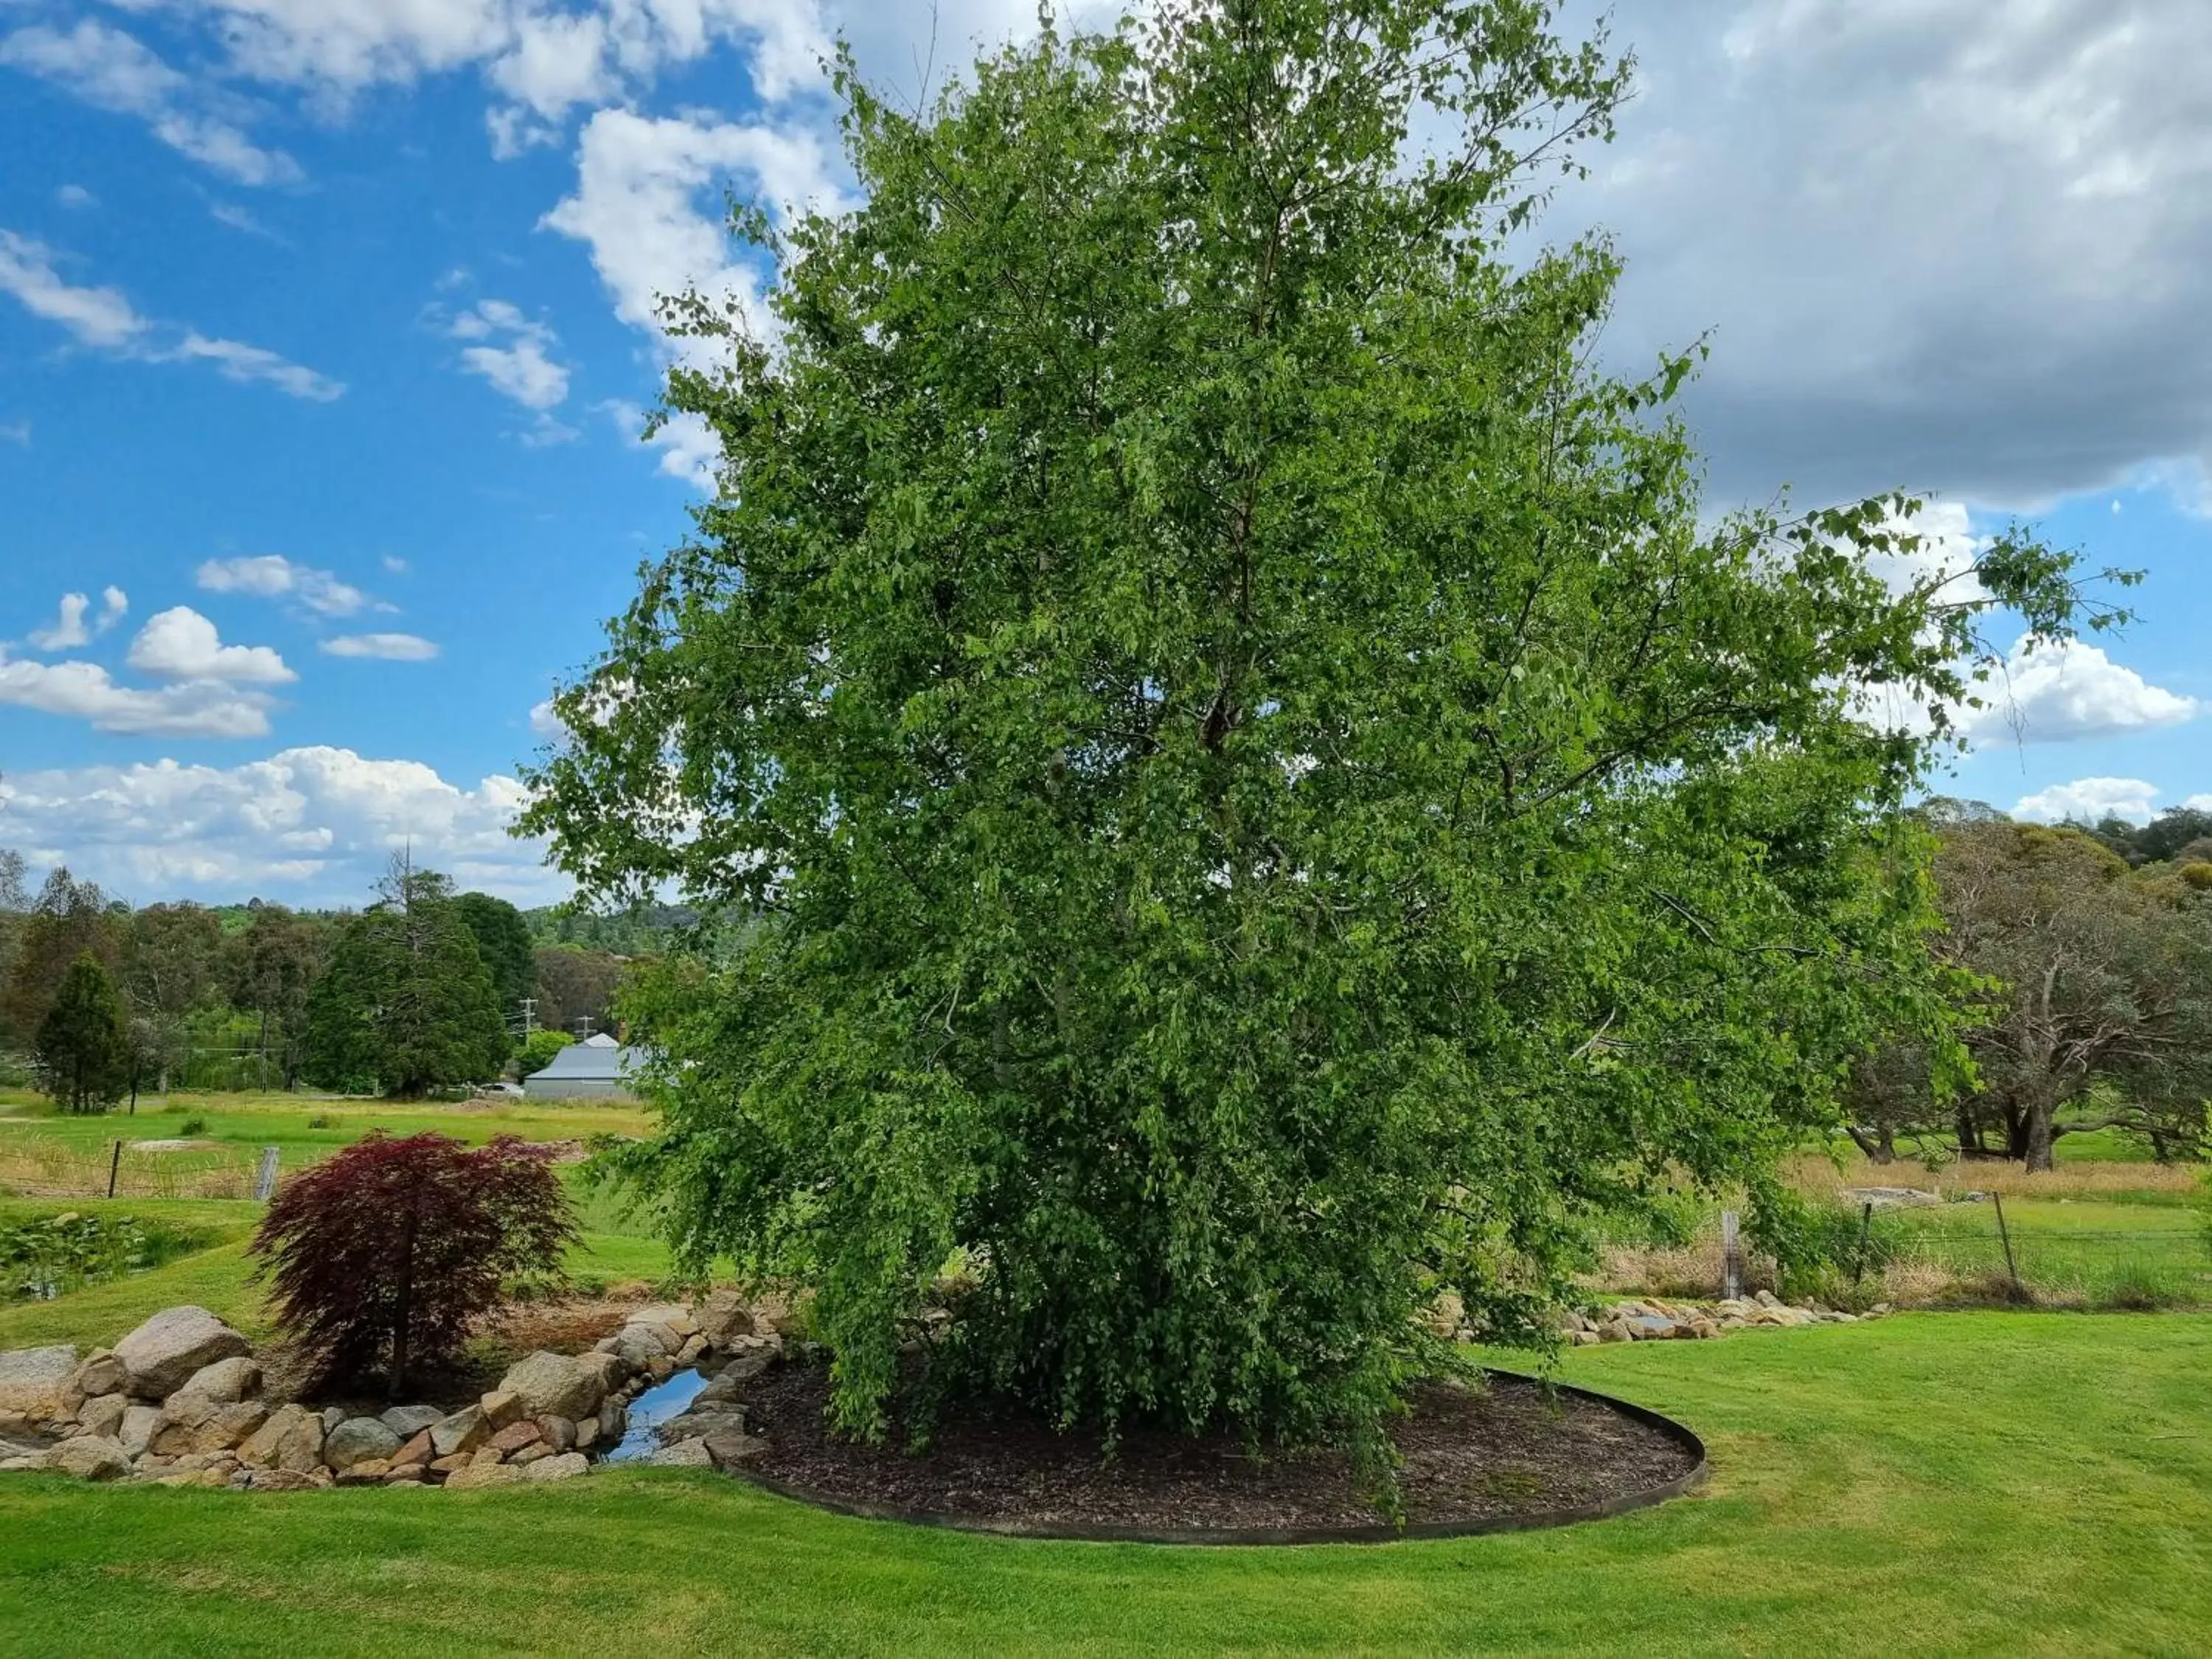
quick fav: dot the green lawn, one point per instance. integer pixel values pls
(1973, 1483)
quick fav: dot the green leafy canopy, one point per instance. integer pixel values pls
(1270, 802)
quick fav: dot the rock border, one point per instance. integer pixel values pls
(1240, 1537)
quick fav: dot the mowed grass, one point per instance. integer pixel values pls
(2023, 1483)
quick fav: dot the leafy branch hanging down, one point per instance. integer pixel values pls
(1272, 803)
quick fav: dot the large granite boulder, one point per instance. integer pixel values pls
(89, 1457)
(216, 1428)
(102, 1414)
(161, 1355)
(101, 1373)
(408, 1421)
(37, 1382)
(359, 1440)
(290, 1442)
(463, 1431)
(724, 1314)
(486, 1474)
(555, 1385)
(563, 1465)
(227, 1382)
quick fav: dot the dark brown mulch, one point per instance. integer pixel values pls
(1487, 1455)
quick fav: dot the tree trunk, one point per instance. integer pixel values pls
(2038, 1139)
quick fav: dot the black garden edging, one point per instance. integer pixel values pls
(1378, 1533)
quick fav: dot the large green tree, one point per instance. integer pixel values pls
(68, 918)
(273, 961)
(403, 999)
(83, 1049)
(504, 943)
(172, 965)
(1271, 800)
(2099, 999)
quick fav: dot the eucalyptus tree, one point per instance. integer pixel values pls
(1270, 799)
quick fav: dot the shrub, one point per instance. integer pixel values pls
(384, 1256)
(322, 1120)
(538, 1051)
(190, 1127)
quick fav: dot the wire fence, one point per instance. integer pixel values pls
(44, 1166)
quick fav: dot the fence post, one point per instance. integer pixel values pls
(2005, 1233)
(1866, 1226)
(1731, 1257)
(114, 1164)
(265, 1178)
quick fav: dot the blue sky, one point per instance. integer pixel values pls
(325, 325)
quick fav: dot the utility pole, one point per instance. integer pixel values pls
(529, 1016)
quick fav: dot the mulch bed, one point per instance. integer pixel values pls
(1494, 1455)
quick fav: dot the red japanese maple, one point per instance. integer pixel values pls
(383, 1257)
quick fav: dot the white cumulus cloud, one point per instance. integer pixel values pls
(2090, 800)
(311, 825)
(82, 690)
(637, 205)
(180, 644)
(273, 576)
(2072, 689)
(522, 369)
(387, 647)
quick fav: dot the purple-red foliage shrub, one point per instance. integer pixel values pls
(384, 1256)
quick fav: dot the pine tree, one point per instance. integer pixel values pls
(83, 1049)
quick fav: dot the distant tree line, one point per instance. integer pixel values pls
(424, 988)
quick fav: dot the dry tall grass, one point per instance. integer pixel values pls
(1817, 1175)
(39, 1166)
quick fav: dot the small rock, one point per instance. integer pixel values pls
(501, 1406)
(1616, 1330)
(485, 1475)
(536, 1451)
(614, 1420)
(558, 1432)
(463, 1431)
(484, 1455)
(563, 1467)
(514, 1437)
(415, 1454)
(369, 1472)
(101, 1373)
(40, 1383)
(729, 1446)
(749, 1357)
(408, 1421)
(282, 1480)
(447, 1465)
(332, 1416)
(137, 1428)
(359, 1440)
(1647, 1327)
(660, 1370)
(587, 1433)
(90, 1457)
(683, 1455)
(161, 1356)
(694, 1345)
(102, 1414)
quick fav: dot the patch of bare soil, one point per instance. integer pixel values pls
(1504, 1453)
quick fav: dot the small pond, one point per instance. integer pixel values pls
(649, 1411)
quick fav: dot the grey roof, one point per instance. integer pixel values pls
(582, 1060)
